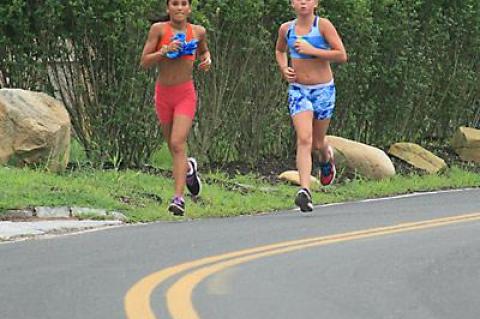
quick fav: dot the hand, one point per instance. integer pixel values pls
(174, 46)
(289, 74)
(205, 63)
(303, 47)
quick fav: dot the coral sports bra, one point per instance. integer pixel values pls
(314, 37)
(169, 34)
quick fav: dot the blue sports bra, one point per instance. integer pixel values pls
(314, 37)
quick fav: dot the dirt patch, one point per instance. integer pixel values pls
(266, 169)
(269, 169)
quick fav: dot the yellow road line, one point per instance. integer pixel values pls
(137, 299)
(179, 296)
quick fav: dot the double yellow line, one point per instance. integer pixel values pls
(179, 296)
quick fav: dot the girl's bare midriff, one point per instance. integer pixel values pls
(312, 71)
(173, 72)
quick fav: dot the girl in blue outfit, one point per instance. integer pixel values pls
(312, 43)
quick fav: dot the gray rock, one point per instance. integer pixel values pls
(79, 211)
(17, 214)
(52, 212)
(118, 216)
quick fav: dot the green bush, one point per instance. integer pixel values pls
(86, 53)
(413, 72)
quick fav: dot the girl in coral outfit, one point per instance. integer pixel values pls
(173, 46)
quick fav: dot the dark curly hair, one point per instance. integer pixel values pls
(189, 1)
(163, 18)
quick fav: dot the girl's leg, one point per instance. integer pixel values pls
(323, 152)
(166, 131)
(177, 133)
(320, 143)
(303, 128)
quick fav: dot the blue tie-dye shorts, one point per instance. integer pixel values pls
(319, 98)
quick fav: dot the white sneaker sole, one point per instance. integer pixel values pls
(176, 210)
(195, 169)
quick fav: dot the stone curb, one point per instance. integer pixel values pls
(61, 212)
(39, 221)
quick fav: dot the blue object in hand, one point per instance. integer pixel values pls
(186, 48)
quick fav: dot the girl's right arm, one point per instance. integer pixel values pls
(281, 54)
(150, 55)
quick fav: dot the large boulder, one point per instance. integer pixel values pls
(418, 157)
(366, 160)
(34, 129)
(466, 143)
(294, 178)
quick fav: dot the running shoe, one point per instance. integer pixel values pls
(304, 200)
(177, 206)
(194, 185)
(327, 169)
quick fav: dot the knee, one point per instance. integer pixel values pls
(177, 146)
(304, 140)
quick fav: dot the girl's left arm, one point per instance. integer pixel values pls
(203, 52)
(337, 52)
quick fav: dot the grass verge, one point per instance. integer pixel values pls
(143, 197)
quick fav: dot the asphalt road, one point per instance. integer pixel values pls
(412, 257)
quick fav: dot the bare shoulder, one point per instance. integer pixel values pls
(158, 25)
(157, 28)
(282, 31)
(284, 27)
(326, 24)
(199, 30)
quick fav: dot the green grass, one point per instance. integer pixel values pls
(77, 153)
(161, 158)
(145, 197)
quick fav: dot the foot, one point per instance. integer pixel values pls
(327, 169)
(177, 206)
(194, 185)
(304, 200)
